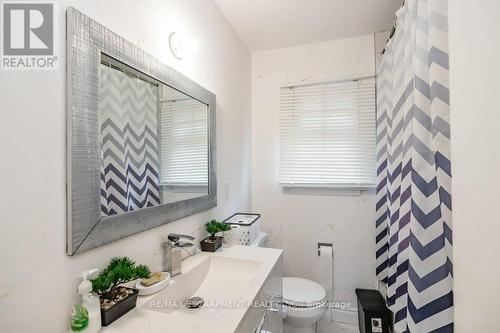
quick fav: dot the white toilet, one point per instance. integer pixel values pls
(304, 301)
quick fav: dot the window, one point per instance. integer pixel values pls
(327, 134)
(183, 143)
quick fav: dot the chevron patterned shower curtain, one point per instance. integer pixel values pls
(413, 210)
(129, 137)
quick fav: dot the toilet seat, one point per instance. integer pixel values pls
(302, 293)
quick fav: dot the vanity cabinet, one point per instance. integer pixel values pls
(266, 315)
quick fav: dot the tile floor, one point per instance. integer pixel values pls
(326, 326)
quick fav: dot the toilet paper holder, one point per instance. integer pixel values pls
(320, 245)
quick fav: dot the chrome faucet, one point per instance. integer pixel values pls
(174, 241)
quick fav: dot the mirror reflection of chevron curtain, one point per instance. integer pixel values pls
(128, 122)
(413, 210)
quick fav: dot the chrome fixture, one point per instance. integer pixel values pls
(174, 241)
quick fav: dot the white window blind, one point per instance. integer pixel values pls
(183, 143)
(328, 134)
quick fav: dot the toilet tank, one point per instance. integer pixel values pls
(260, 240)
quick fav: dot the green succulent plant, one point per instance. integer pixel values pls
(119, 270)
(213, 227)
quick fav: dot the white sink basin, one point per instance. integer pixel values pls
(220, 281)
(228, 281)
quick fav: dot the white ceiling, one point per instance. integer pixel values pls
(269, 24)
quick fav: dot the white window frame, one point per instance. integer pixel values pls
(198, 160)
(365, 107)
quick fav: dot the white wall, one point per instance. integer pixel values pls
(297, 223)
(37, 280)
(475, 131)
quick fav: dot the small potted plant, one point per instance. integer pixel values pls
(117, 300)
(212, 243)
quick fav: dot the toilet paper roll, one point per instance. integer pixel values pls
(326, 270)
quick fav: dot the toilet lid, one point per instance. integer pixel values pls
(302, 293)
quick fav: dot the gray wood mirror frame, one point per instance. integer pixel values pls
(89, 46)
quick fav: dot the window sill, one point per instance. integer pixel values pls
(326, 190)
(185, 188)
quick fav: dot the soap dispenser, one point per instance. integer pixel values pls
(87, 316)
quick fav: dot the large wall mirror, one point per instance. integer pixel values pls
(141, 139)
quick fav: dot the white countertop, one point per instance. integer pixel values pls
(207, 319)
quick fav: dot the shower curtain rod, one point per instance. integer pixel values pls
(131, 72)
(393, 30)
